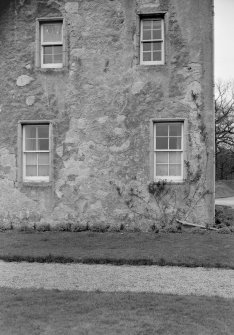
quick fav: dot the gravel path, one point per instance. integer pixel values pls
(225, 201)
(176, 280)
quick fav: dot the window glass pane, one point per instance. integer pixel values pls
(146, 35)
(174, 170)
(157, 46)
(157, 56)
(57, 49)
(175, 157)
(146, 56)
(161, 170)
(43, 170)
(43, 158)
(175, 129)
(147, 24)
(47, 59)
(53, 54)
(52, 32)
(157, 24)
(31, 159)
(47, 50)
(175, 143)
(43, 131)
(161, 129)
(31, 171)
(30, 144)
(146, 46)
(157, 34)
(30, 131)
(43, 144)
(58, 58)
(161, 143)
(162, 157)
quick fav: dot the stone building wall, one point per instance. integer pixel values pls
(101, 105)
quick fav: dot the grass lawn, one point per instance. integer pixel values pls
(34, 312)
(186, 249)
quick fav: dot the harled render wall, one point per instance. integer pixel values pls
(101, 106)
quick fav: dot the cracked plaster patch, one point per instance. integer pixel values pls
(59, 151)
(23, 80)
(119, 131)
(81, 123)
(30, 100)
(120, 118)
(28, 66)
(137, 87)
(103, 119)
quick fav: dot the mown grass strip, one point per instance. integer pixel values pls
(38, 311)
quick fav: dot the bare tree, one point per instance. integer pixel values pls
(224, 116)
(224, 125)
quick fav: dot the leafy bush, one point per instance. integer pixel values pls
(63, 226)
(224, 230)
(156, 188)
(223, 217)
(98, 227)
(79, 227)
(43, 227)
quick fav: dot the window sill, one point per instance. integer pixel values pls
(51, 70)
(35, 184)
(151, 66)
(171, 182)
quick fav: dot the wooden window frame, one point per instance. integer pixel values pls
(152, 164)
(54, 43)
(39, 45)
(169, 177)
(22, 178)
(162, 40)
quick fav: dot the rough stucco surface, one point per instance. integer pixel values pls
(101, 105)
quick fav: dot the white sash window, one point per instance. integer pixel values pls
(168, 150)
(36, 152)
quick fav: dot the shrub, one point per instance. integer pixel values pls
(116, 228)
(224, 230)
(222, 217)
(79, 227)
(99, 227)
(3, 227)
(156, 188)
(26, 229)
(63, 226)
(43, 227)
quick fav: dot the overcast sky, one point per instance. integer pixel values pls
(224, 40)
